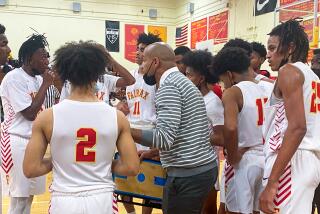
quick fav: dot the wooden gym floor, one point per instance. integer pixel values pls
(41, 203)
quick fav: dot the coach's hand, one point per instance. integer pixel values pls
(267, 197)
(149, 154)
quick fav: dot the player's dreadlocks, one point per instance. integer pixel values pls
(30, 46)
(292, 32)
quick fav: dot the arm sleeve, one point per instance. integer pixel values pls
(168, 117)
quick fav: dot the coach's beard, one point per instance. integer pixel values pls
(149, 79)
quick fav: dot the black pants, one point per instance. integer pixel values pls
(186, 195)
(316, 200)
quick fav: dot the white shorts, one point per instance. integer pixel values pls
(15, 183)
(95, 201)
(297, 184)
(244, 188)
(222, 184)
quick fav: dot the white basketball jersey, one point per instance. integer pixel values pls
(17, 91)
(275, 118)
(214, 109)
(141, 102)
(259, 77)
(83, 144)
(267, 87)
(105, 85)
(250, 118)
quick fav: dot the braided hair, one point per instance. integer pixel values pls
(292, 32)
(29, 47)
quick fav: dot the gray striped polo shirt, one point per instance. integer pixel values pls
(181, 131)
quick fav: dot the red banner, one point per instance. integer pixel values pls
(308, 28)
(131, 34)
(218, 27)
(286, 15)
(198, 31)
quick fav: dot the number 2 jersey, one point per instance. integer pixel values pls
(276, 122)
(83, 143)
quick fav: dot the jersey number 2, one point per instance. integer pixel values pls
(315, 106)
(85, 151)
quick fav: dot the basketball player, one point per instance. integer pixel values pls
(83, 138)
(315, 66)
(22, 92)
(4, 54)
(267, 86)
(106, 83)
(315, 62)
(258, 57)
(248, 48)
(179, 52)
(141, 104)
(243, 102)
(197, 63)
(292, 124)
(4, 48)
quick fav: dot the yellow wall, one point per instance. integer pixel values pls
(56, 19)
(245, 25)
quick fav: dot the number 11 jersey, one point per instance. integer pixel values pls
(141, 102)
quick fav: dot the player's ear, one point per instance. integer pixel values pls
(230, 75)
(202, 79)
(156, 62)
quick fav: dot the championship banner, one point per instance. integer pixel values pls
(131, 34)
(294, 11)
(264, 6)
(158, 30)
(112, 36)
(218, 28)
(198, 31)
